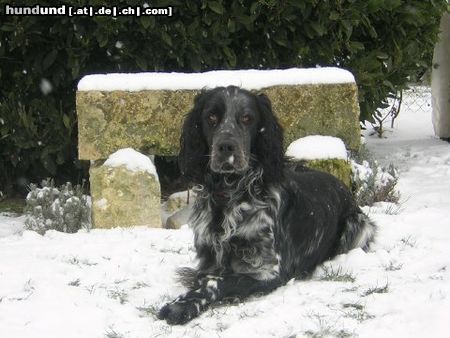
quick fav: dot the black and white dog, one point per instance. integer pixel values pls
(258, 219)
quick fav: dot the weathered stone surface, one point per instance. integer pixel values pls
(152, 120)
(326, 109)
(179, 218)
(175, 203)
(336, 167)
(121, 197)
(147, 120)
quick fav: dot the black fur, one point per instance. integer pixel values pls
(258, 219)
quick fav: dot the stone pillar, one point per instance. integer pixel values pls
(124, 194)
(323, 153)
(440, 81)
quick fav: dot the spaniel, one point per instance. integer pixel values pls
(259, 220)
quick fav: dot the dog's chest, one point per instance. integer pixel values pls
(242, 238)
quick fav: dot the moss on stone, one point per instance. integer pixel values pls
(121, 197)
(151, 120)
(336, 167)
(324, 109)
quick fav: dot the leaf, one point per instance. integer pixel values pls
(102, 38)
(389, 84)
(355, 45)
(48, 162)
(348, 27)
(146, 21)
(216, 7)
(334, 16)
(231, 56)
(280, 38)
(141, 62)
(49, 59)
(231, 25)
(318, 28)
(166, 38)
(254, 6)
(382, 56)
(60, 158)
(66, 121)
(8, 27)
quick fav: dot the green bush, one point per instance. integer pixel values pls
(372, 183)
(63, 209)
(385, 43)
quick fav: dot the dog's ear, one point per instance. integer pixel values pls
(268, 147)
(193, 156)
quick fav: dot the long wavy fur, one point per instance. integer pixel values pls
(256, 230)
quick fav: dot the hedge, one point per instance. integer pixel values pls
(385, 43)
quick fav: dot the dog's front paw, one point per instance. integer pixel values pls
(178, 313)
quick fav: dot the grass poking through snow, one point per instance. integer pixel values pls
(376, 289)
(336, 275)
(325, 329)
(356, 311)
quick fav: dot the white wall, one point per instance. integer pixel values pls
(440, 81)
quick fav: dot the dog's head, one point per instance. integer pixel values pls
(229, 131)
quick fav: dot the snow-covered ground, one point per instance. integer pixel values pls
(110, 283)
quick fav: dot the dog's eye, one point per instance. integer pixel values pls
(212, 119)
(246, 119)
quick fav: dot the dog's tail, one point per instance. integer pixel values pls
(359, 232)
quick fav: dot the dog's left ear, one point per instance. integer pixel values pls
(268, 147)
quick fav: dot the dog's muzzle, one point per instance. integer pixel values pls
(227, 157)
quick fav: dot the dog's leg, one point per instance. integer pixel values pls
(213, 289)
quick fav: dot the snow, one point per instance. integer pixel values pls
(111, 282)
(45, 86)
(248, 79)
(10, 226)
(317, 147)
(361, 172)
(132, 160)
(102, 203)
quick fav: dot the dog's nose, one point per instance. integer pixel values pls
(226, 148)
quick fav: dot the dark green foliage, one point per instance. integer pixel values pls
(385, 43)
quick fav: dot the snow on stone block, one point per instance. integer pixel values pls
(132, 160)
(323, 153)
(317, 147)
(249, 79)
(125, 191)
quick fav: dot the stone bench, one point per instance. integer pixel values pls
(145, 111)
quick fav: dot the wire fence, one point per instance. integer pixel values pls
(415, 99)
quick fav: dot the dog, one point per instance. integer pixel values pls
(259, 220)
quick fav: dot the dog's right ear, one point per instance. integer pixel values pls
(193, 156)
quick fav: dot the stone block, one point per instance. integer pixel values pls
(179, 218)
(323, 153)
(336, 167)
(151, 120)
(318, 109)
(123, 197)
